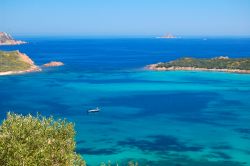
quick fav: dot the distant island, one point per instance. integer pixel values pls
(220, 64)
(167, 36)
(6, 39)
(15, 62)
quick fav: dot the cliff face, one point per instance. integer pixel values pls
(6, 39)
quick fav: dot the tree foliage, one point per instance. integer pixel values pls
(28, 140)
(214, 63)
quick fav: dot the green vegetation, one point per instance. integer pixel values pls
(27, 140)
(214, 63)
(11, 61)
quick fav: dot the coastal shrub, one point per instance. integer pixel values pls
(10, 61)
(28, 140)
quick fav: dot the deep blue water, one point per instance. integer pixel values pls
(157, 118)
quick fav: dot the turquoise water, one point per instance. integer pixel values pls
(156, 118)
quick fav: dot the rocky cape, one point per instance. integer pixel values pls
(6, 39)
(10, 62)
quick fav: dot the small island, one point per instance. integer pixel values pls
(167, 36)
(15, 62)
(53, 64)
(6, 39)
(219, 64)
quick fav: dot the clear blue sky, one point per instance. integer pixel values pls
(125, 17)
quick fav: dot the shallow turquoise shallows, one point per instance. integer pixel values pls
(155, 118)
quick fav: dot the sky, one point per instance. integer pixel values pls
(126, 17)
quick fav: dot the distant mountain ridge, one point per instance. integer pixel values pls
(6, 39)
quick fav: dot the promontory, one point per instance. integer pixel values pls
(15, 62)
(6, 39)
(220, 64)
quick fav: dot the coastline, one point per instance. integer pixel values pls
(155, 68)
(32, 69)
(25, 58)
(11, 43)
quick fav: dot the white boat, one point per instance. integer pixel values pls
(94, 110)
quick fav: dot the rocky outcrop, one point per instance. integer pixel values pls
(53, 64)
(6, 39)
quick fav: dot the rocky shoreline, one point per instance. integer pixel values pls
(32, 69)
(155, 67)
(14, 42)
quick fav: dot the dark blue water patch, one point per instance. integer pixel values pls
(221, 146)
(219, 155)
(153, 103)
(217, 115)
(54, 84)
(199, 119)
(243, 131)
(11, 78)
(227, 103)
(104, 140)
(6, 104)
(104, 151)
(5, 97)
(56, 106)
(104, 122)
(78, 142)
(160, 144)
(178, 160)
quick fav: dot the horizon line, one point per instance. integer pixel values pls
(127, 36)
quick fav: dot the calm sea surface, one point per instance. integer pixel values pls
(156, 118)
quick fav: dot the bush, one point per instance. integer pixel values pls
(27, 140)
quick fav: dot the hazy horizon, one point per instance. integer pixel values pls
(126, 18)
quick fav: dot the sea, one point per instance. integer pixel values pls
(171, 118)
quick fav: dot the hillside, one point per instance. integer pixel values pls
(13, 62)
